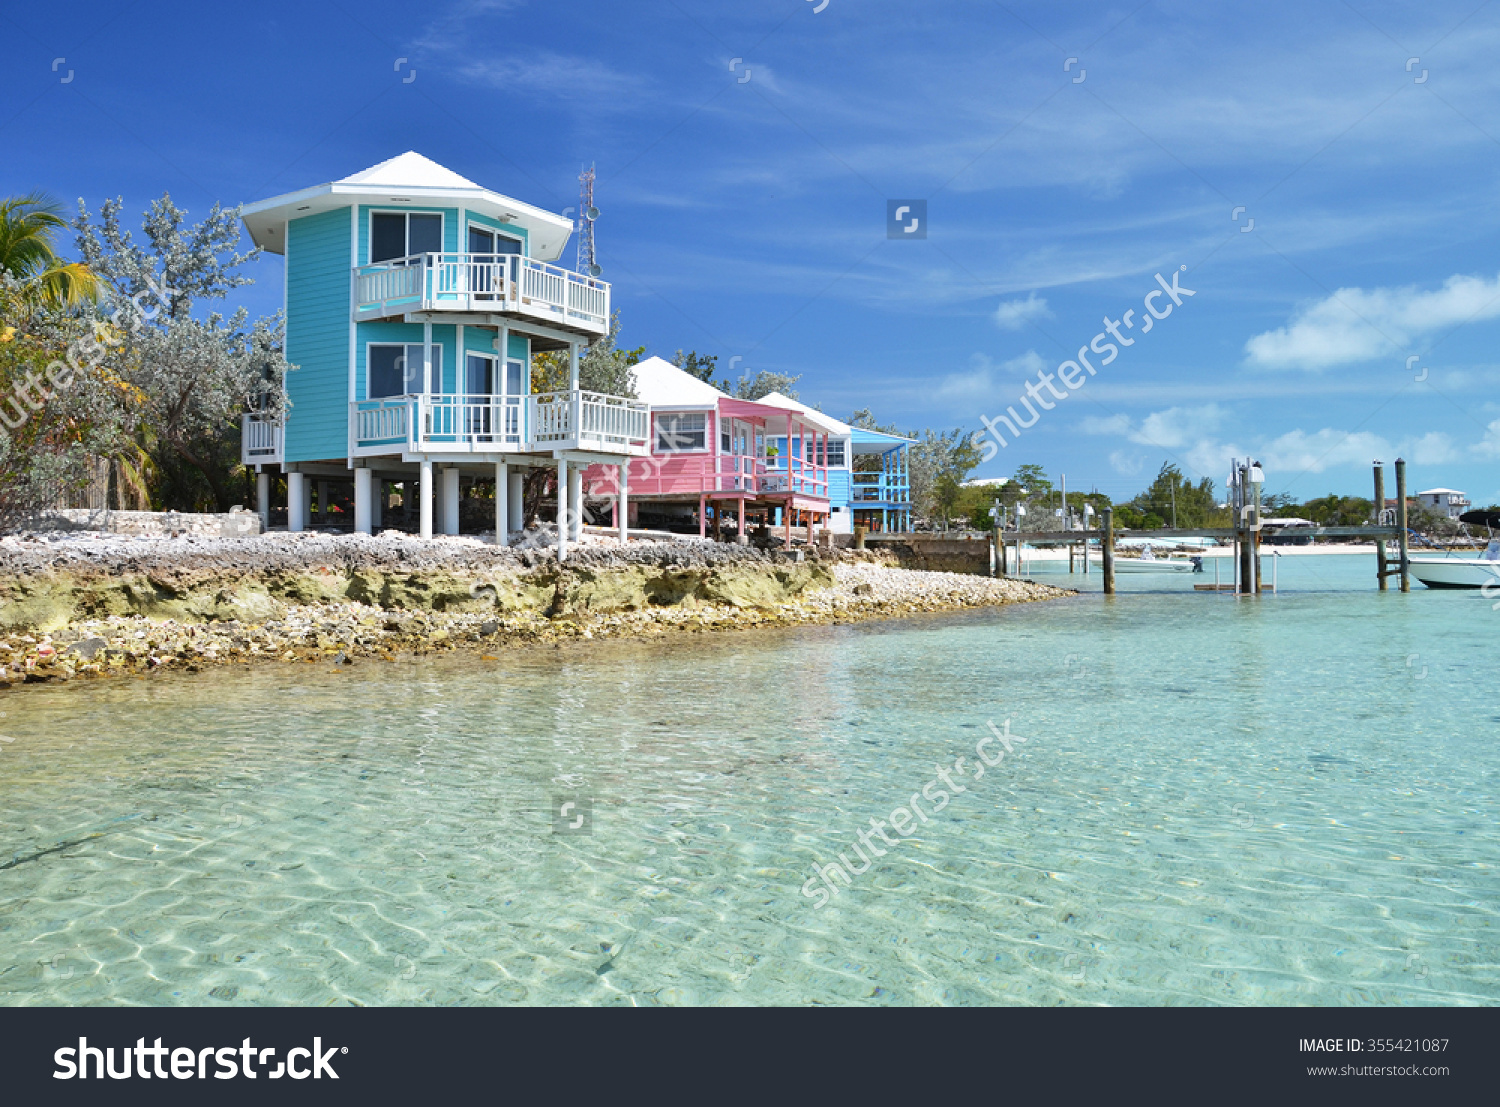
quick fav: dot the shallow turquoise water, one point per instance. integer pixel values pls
(1219, 800)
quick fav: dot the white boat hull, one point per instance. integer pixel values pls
(1147, 565)
(1456, 572)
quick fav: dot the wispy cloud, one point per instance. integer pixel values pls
(459, 41)
(1012, 315)
(984, 377)
(1355, 325)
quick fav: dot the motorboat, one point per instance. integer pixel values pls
(1464, 572)
(1148, 562)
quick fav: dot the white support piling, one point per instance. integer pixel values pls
(562, 509)
(296, 502)
(424, 497)
(575, 501)
(450, 500)
(363, 495)
(502, 503)
(517, 502)
(263, 499)
(623, 510)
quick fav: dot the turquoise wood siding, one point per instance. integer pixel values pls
(317, 336)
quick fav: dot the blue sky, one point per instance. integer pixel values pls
(746, 152)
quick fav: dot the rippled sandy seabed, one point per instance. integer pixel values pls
(1290, 800)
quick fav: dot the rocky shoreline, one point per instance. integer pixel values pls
(98, 606)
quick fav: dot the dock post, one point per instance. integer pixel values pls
(1402, 539)
(1243, 547)
(1255, 542)
(996, 540)
(1066, 525)
(1379, 511)
(1109, 551)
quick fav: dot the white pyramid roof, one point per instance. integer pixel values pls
(661, 384)
(409, 170)
(407, 179)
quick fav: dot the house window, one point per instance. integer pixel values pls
(400, 234)
(682, 433)
(835, 452)
(393, 370)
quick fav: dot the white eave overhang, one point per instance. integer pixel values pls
(265, 219)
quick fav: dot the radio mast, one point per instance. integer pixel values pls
(587, 213)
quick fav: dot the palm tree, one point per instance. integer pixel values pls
(28, 229)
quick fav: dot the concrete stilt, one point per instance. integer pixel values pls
(562, 509)
(450, 501)
(424, 497)
(502, 503)
(263, 499)
(575, 501)
(622, 507)
(363, 495)
(517, 502)
(296, 502)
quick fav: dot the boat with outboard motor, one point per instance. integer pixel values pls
(1464, 572)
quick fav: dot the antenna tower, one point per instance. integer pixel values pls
(587, 213)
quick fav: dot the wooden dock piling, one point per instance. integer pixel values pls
(1380, 569)
(1402, 539)
(1109, 551)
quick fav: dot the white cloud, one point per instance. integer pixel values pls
(1188, 435)
(1105, 424)
(1012, 315)
(1356, 325)
(980, 381)
(545, 74)
(1177, 426)
(1489, 445)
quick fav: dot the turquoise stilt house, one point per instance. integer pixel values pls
(415, 303)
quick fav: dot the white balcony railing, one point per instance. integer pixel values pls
(260, 441)
(502, 283)
(580, 420)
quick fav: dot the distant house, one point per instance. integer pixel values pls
(710, 457)
(1444, 501)
(1290, 536)
(869, 472)
(416, 301)
(774, 461)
